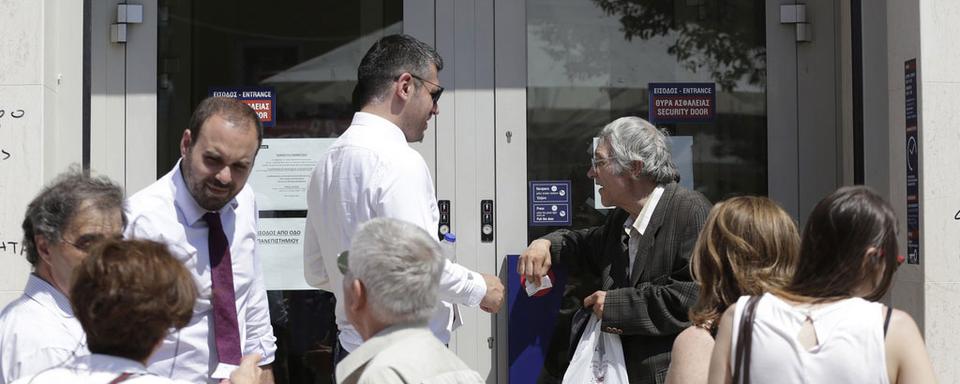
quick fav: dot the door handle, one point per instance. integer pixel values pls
(444, 227)
(486, 221)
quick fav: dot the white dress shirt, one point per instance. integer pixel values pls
(38, 331)
(166, 212)
(636, 226)
(370, 172)
(97, 369)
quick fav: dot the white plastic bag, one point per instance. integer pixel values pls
(598, 358)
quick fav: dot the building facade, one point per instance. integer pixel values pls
(776, 98)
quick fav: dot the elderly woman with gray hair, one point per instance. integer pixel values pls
(636, 264)
(391, 278)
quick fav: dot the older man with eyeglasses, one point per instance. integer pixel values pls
(634, 269)
(39, 330)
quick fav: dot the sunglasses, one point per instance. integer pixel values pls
(435, 95)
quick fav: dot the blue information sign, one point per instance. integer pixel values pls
(913, 161)
(550, 203)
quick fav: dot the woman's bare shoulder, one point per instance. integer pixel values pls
(693, 342)
(690, 359)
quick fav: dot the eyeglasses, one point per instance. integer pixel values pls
(435, 95)
(342, 264)
(85, 242)
(596, 162)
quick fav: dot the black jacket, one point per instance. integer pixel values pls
(651, 308)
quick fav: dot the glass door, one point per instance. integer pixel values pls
(566, 68)
(296, 63)
(590, 62)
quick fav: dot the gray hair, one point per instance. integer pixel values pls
(400, 265)
(388, 58)
(50, 213)
(634, 139)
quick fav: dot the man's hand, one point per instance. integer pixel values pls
(535, 261)
(596, 300)
(266, 374)
(494, 298)
(248, 372)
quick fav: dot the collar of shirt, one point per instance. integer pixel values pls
(106, 363)
(192, 211)
(646, 213)
(380, 341)
(378, 127)
(49, 297)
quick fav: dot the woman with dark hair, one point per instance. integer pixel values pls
(825, 326)
(127, 295)
(748, 246)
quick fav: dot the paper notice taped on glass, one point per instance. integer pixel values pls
(280, 178)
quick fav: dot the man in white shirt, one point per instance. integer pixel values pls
(39, 330)
(205, 212)
(371, 171)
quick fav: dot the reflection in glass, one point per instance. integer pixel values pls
(308, 51)
(589, 62)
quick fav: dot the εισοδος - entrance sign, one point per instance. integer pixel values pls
(550, 203)
(682, 102)
(263, 100)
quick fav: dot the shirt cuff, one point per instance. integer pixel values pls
(476, 290)
(267, 350)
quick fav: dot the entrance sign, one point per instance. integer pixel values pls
(550, 203)
(913, 161)
(263, 100)
(682, 102)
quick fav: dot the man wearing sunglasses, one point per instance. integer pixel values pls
(39, 330)
(371, 172)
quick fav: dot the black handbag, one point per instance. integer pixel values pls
(741, 362)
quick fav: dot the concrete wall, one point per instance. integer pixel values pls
(925, 30)
(903, 36)
(939, 138)
(41, 82)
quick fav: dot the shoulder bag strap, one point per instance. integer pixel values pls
(123, 377)
(741, 365)
(886, 321)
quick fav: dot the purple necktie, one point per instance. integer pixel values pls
(225, 328)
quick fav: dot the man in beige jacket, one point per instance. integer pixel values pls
(391, 278)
